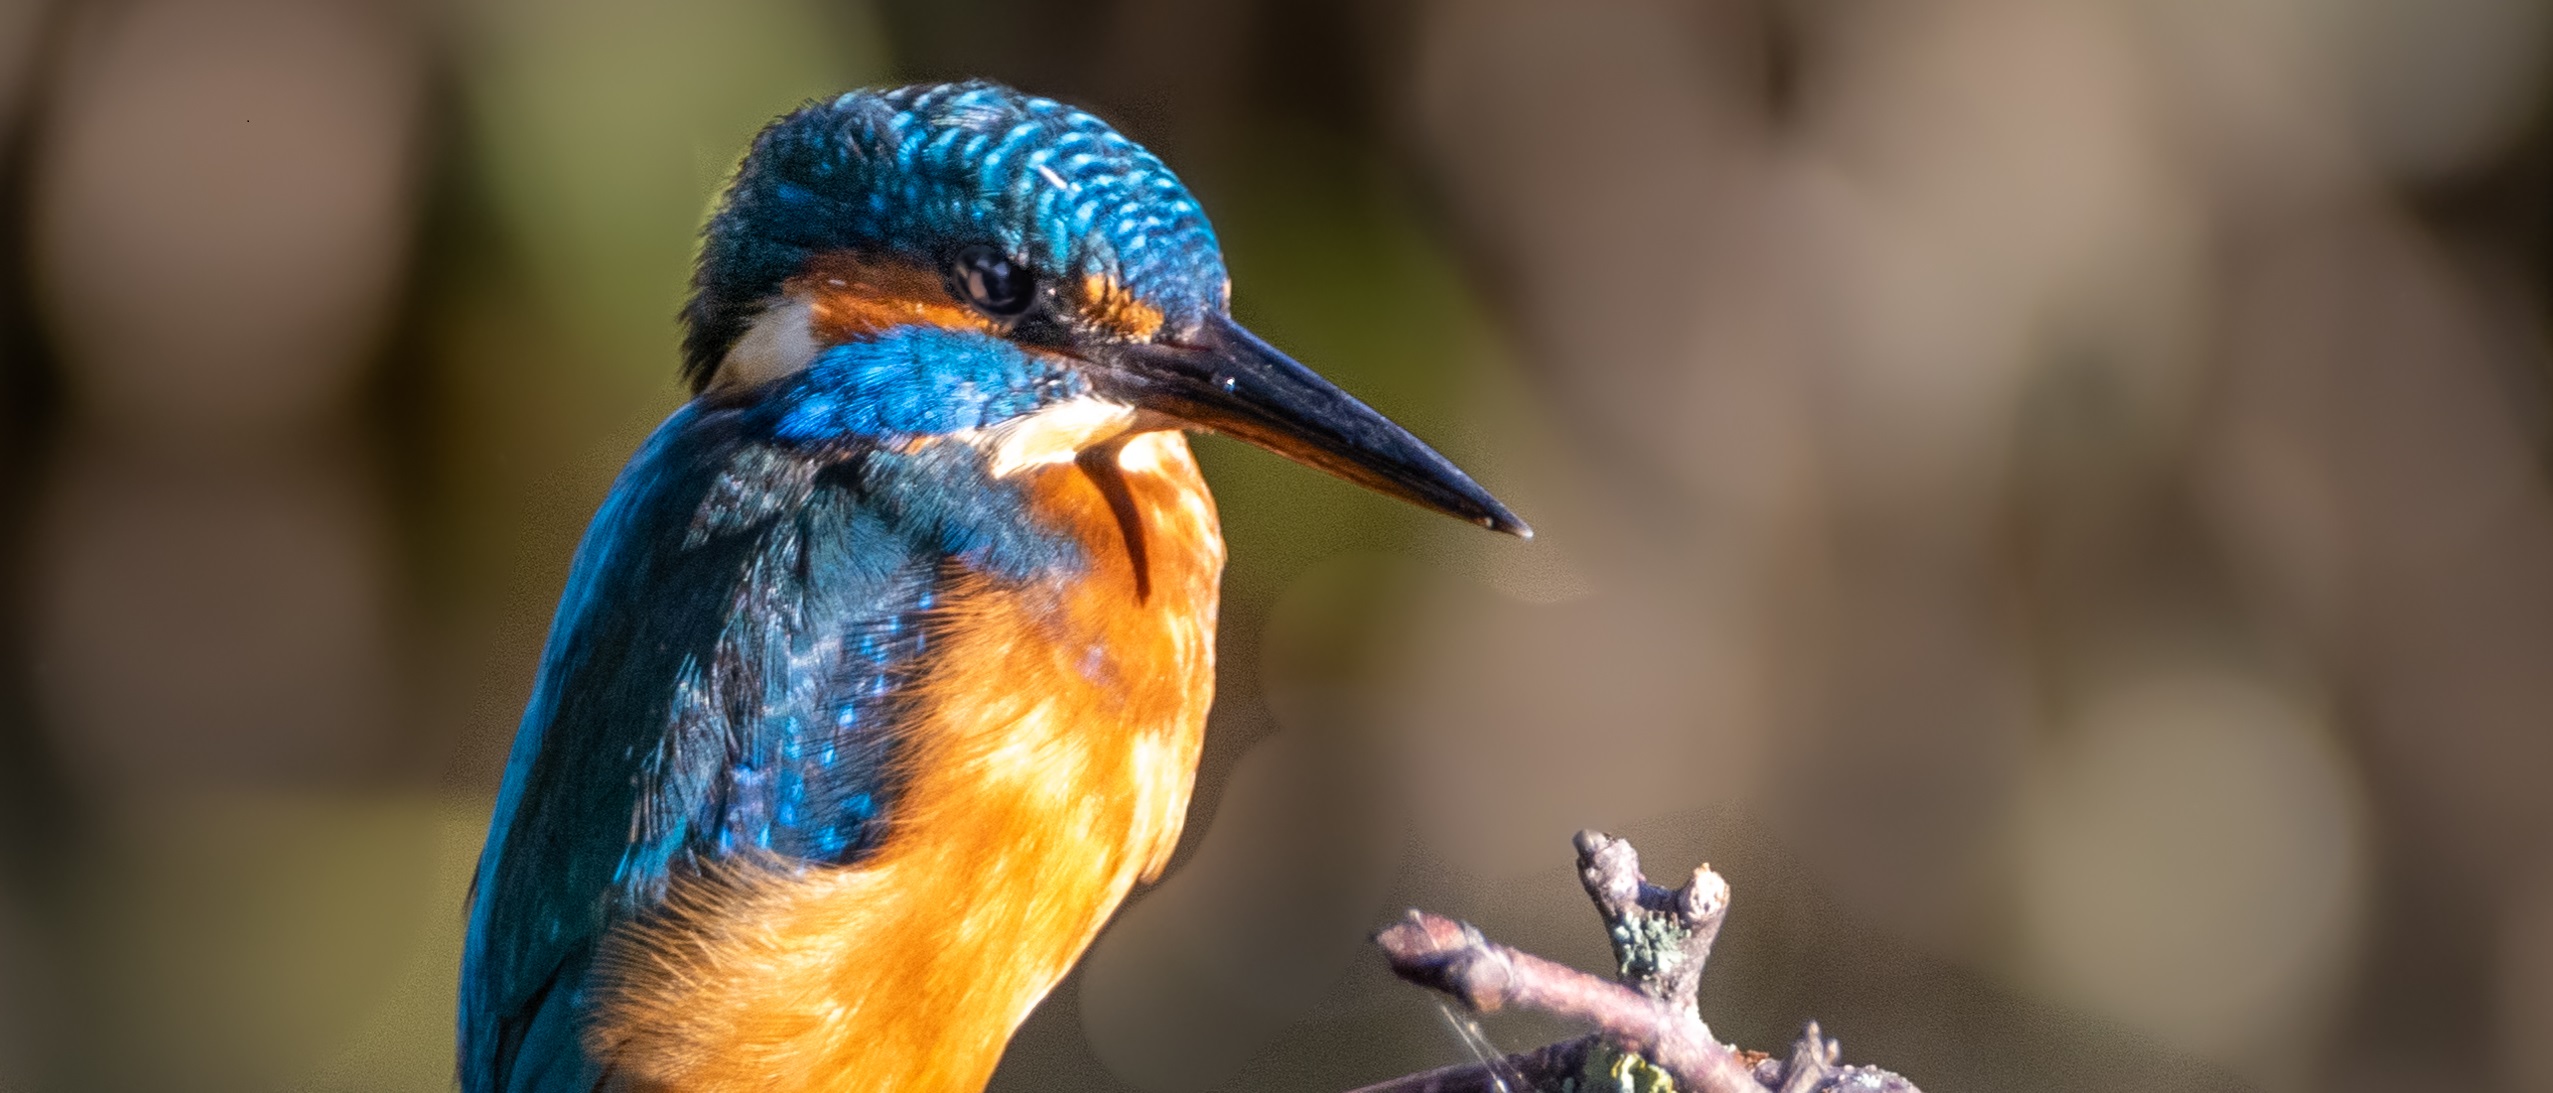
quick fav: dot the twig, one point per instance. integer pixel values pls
(1661, 938)
(1812, 1060)
(1438, 952)
(1661, 943)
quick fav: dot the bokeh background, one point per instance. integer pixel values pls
(2048, 496)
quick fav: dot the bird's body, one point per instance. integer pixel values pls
(1048, 743)
(881, 676)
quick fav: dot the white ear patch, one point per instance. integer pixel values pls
(1055, 434)
(778, 344)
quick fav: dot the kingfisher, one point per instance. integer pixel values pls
(880, 676)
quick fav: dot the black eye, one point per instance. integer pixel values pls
(988, 279)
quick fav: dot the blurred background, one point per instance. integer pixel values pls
(2048, 496)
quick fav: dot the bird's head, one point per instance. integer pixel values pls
(961, 256)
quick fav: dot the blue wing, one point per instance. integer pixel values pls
(725, 676)
(722, 678)
(720, 673)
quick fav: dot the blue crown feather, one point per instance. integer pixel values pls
(916, 172)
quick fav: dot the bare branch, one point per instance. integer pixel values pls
(1661, 942)
(1440, 953)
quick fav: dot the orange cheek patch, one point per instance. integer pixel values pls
(848, 298)
(1109, 304)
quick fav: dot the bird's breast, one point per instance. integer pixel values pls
(1053, 744)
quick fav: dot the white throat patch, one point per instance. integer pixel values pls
(1056, 434)
(778, 344)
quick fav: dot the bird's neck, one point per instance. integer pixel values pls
(1053, 752)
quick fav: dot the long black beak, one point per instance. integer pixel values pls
(1224, 379)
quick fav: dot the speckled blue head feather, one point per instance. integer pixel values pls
(918, 172)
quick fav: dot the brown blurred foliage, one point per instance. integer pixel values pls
(2049, 496)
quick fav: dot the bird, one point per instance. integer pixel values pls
(880, 674)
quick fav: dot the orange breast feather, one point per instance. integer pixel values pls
(1051, 768)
